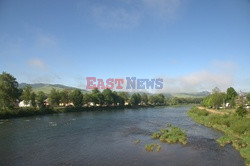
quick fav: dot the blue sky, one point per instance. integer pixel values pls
(194, 45)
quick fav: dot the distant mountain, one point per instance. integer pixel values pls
(193, 95)
(46, 88)
(180, 95)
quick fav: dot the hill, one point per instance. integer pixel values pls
(46, 88)
(191, 95)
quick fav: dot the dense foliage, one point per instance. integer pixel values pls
(11, 96)
(9, 92)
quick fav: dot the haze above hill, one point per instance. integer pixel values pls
(46, 88)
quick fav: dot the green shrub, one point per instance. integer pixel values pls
(241, 111)
(173, 135)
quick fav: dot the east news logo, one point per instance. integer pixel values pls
(128, 83)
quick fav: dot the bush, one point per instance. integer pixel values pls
(173, 135)
(241, 111)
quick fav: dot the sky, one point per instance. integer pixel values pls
(193, 45)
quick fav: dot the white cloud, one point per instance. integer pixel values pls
(163, 8)
(37, 64)
(128, 13)
(115, 18)
(220, 74)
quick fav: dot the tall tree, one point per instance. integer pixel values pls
(54, 97)
(152, 99)
(231, 93)
(124, 95)
(26, 96)
(9, 92)
(217, 99)
(40, 99)
(108, 96)
(87, 98)
(135, 99)
(64, 97)
(160, 99)
(77, 98)
(144, 98)
(33, 99)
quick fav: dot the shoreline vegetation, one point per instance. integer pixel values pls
(236, 128)
(16, 102)
(168, 134)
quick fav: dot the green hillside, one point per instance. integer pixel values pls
(46, 88)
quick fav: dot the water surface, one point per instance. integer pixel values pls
(107, 138)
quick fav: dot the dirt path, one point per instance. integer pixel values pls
(213, 111)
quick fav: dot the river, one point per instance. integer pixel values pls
(107, 138)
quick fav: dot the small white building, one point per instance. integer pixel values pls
(22, 104)
(91, 103)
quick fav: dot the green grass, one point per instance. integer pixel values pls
(153, 147)
(46, 89)
(236, 129)
(171, 135)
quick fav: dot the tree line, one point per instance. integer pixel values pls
(229, 99)
(10, 95)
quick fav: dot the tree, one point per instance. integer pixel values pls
(40, 99)
(97, 97)
(64, 97)
(135, 99)
(9, 92)
(26, 96)
(108, 96)
(217, 99)
(160, 99)
(77, 98)
(54, 97)
(231, 94)
(152, 100)
(144, 98)
(124, 95)
(115, 97)
(33, 99)
(87, 98)
(121, 100)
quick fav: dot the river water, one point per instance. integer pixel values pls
(107, 138)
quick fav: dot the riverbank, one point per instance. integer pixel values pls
(235, 128)
(23, 112)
